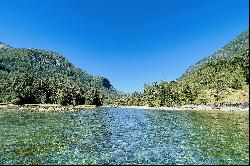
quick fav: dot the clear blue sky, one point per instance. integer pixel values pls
(131, 42)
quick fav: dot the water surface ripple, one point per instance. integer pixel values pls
(124, 136)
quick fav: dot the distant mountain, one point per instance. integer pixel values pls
(4, 46)
(50, 67)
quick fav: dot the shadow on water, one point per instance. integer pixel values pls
(123, 136)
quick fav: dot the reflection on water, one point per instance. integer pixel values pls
(124, 136)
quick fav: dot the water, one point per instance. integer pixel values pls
(124, 136)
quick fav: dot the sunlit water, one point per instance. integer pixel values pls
(124, 136)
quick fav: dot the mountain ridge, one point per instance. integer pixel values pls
(242, 41)
(4, 46)
(221, 78)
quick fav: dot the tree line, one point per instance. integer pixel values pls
(22, 88)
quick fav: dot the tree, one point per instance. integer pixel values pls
(96, 98)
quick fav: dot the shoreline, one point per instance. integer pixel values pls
(46, 107)
(188, 107)
(56, 107)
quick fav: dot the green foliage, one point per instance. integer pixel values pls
(37, 76)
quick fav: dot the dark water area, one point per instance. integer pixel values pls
(124, 136)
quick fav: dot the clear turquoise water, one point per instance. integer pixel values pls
(124, 136)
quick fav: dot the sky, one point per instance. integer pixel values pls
(130, 42)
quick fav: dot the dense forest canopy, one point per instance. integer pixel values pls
(38, 76)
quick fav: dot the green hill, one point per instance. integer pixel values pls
(235, 47)
(222, 78)
(38, 76)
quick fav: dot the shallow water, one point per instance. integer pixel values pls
(124, 136)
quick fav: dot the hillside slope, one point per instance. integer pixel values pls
(46, 67)
(222, 78)
(235, 47)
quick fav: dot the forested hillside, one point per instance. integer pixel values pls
(38, 76)
(235, 47)
(222, 78)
